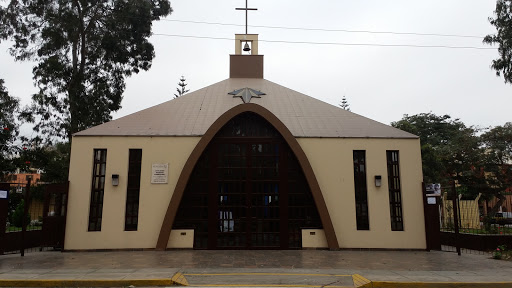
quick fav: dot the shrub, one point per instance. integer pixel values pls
(18, 214)
(498, 253)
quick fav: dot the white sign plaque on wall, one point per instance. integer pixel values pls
(431, 200)
(3, 194)
(159, 173)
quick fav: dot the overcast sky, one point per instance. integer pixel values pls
(382, 83)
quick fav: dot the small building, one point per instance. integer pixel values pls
(21, 177)
(245, 164)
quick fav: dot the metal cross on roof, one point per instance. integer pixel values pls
(246, 94)
(246, 14)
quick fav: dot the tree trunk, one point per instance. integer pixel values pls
(74, 89)
(496, 207)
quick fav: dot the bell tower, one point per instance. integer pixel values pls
(245, 40)
(246, 65)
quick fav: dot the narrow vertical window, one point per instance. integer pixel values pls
(97, 189)
(395, 194)
(133, 191)
(361, 191)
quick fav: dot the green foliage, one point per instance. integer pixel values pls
(450, 150)
(499, 252)
(498, 144)
(181, 90)
(503, 24)
(9, 130)
(17, 216)
(3, 28)
(37, 192)
(13, 202)
(84, 50)
(489, 227)
(56, 163)
(498, 162)
(53, 160)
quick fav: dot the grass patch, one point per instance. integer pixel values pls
(494, 230)
(18, 229)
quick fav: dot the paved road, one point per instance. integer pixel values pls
(316, 268)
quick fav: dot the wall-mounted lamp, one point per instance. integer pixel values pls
(378, 180)
(115, 179)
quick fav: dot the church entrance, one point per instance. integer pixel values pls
(247, 191)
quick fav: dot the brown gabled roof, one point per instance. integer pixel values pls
(193, 113)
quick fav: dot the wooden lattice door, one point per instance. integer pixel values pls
(247, 191)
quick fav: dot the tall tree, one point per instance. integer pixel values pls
(9, 108)
(344, 103)
(450, 150)
(52, 160)
(84, 50)
(181, 90)
(503, 24)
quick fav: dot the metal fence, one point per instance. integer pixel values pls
(33, 217)
(474, 224)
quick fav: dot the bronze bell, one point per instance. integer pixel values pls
(246, 47)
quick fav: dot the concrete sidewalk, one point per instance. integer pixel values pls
(296, 268)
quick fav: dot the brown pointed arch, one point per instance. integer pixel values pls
(168, 221)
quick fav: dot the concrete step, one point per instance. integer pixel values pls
(272, 280)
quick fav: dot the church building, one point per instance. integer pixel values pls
(245, 164)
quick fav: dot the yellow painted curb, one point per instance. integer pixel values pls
(267, 285)
(87, 283)
(361, 282)
(179, 279)
(385, 284)
(270, 285)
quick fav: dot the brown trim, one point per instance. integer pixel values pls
(199, 135)
(4, 209)
(165, 230)
(245, 66)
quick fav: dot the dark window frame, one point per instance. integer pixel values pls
(131, 218)
(395, 190)
(361, 190)
(97, 189)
